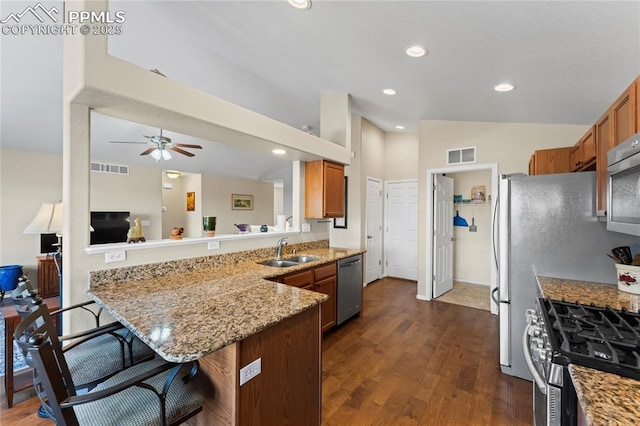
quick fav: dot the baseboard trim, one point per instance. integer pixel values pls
(472, 282)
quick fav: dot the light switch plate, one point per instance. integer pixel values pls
(306, 227)
(250, 371)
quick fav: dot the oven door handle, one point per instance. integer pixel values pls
(539, 380)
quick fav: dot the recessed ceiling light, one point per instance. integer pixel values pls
(300, 4)
(389, 92)
(400, 127)
(416, 51)
(278, 151)
(504, 87)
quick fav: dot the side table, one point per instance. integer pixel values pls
(23, 379)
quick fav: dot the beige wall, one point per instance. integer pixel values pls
(173, 205)
(216, 201)
(400, 156)
(373, 159)
(471, 249)
(508, 144)
(27, 179)
(139, 192)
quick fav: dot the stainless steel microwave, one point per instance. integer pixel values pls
(623, 201)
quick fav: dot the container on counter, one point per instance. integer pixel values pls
(628, 278)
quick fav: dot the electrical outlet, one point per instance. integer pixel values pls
(250, 371)
(115, 256)
(213, 245)
(145, 223)
(306, 227)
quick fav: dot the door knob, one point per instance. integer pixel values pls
(453, 238)
(369, 237)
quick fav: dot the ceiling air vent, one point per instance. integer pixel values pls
(110, 168)
(461, 155)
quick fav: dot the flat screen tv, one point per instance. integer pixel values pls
(109, 227)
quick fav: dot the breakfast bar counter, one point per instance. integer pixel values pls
(225, 312)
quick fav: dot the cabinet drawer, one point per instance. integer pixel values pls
(301, 279)
(326, 271)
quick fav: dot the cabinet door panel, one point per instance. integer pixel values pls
(328, 308)
(603, 144)
(588, 146)
(334, 190)
(623, 116)
(576, 157)
(300, 279)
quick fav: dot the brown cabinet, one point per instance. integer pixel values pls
(624, 116)
(48, 281)
(603, 144)
(547, 161)
(323, 280)
(583, 153)
(324, 189)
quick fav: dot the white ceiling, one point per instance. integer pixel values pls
(569, 61)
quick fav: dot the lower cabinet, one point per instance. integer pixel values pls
(48, 281)
(323, 280)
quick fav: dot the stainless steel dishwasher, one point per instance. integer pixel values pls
(349, 298)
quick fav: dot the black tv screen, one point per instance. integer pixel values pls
(109, 227)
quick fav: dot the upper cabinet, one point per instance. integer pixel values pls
(324, 189)
(624, 116)
(547, 161)
(618, 124)
(583, 153)
(603, 144)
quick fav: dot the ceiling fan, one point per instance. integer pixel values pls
(162, 145)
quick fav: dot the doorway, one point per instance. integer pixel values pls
(479, 245)
(401, 229)
(373, 257)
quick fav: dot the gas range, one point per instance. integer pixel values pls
(601, 338)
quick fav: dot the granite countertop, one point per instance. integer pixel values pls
(187, 315)
(586, 292)
(605, 398)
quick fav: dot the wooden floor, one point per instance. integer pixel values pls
(407, 361)
(402, 362)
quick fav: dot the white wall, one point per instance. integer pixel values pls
(401, 156)
(508, 144)
(470, 249)
(27, 179)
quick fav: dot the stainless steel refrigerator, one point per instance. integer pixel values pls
(547, 226)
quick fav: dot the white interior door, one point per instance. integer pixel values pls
(401, 237)
(374, 230)
(443, 235)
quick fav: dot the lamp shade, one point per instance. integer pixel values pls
(48, 220)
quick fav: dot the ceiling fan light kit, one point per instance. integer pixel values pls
(161, 146)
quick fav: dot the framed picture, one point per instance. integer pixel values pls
(191, 201)
(341, 222)
(241, 202)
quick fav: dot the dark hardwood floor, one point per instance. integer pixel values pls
(403, 361)
(406, 361)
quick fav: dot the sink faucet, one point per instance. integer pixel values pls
(281, 242)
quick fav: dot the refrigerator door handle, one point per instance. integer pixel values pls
(493, 295)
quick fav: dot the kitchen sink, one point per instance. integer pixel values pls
(302, 259)
(279, 263)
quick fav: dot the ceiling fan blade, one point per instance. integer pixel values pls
(187, 145)
(148, 151)
(144, 143)
(181, 151)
